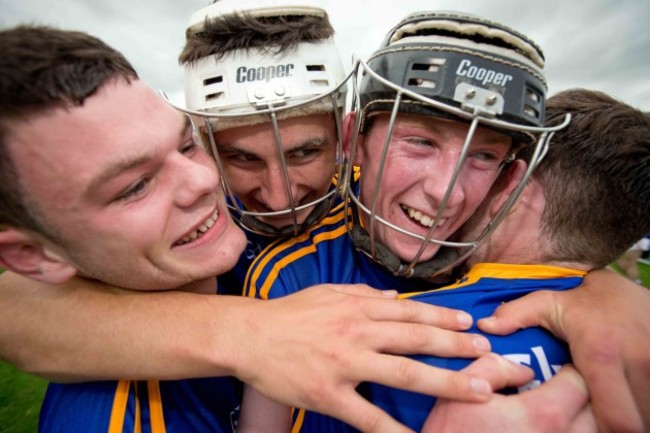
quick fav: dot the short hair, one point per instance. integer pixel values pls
(222, 36)
(596, 178)
(244, 31)
(42, 69)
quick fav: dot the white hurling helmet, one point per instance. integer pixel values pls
(249, 86)
(455, 66)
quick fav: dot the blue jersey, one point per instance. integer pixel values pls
(323, 254)
(326, 254)
(255, 244)
(233, 280)
(483, 289)
(193, 405)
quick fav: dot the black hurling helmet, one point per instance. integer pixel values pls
(459, 67)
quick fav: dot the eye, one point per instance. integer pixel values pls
(304, 152)
(485, 156)
(419, 141)
(239, 157)
(485, 159)
(134, 190)
(189, 147)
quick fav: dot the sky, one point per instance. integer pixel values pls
(597, 44)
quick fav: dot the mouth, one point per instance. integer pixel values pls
(422, 219)
(200, 231)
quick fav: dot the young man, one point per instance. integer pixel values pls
(410, 197)
(542, 244)
(189, 348)
(598, 164)
(145, 210)
(266, 88)
(424, 169)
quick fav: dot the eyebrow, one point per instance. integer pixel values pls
(311, 142)
(115, 169)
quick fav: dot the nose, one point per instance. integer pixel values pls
(195, 180)
(276, 189)
(438, 184)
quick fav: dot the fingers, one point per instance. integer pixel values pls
(361, 414)
(585, 422)
(362, 290)
(381, 305)
(500, 372)
(409, 338)
(535, 309)
(564, 396)
(612, 399)
(412, 375)
(417, 312)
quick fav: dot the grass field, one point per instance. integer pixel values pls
(20, 399)
(21, 394)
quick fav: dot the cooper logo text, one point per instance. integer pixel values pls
(484, 75)
(263, 73)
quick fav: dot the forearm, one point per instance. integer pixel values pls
(85, 330)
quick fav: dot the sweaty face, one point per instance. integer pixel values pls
(134, 201)
(256, 174)
(422, 155)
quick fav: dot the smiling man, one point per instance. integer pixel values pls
(101, 178)
(265, 86)
(429, 141)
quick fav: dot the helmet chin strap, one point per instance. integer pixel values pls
(254, 224)
(445, 257)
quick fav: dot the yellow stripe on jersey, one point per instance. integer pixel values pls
(138, 416)
(118, 412)
(300, 419)
(275, 249)
(273, 274)
(155, 407)
(505, 271)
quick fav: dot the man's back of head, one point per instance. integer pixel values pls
(595, 177)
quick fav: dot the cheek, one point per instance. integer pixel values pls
(242, 181)
(475, 189)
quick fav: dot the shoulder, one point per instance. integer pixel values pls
(298, 259)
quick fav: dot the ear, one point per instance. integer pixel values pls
(349, 126)
(507, 183)
(26, 254)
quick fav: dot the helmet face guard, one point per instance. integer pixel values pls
(265, 86)
(453, 67)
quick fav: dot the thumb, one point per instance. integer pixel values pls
(535, 309)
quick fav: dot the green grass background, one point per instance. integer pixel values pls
(21, 394)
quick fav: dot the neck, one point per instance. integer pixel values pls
(206, 286)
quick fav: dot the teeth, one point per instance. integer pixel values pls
(202, 229)
(423, 219)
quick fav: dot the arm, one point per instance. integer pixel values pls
(559, 405)
(324, 341)
(605, 321)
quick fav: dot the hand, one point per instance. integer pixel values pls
(311, 349)
(559, 405)
(605, 321)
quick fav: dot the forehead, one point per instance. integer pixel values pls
(293, 131)
(69, 147)
(435, 125)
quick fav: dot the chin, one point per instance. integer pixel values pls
(408, 252)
